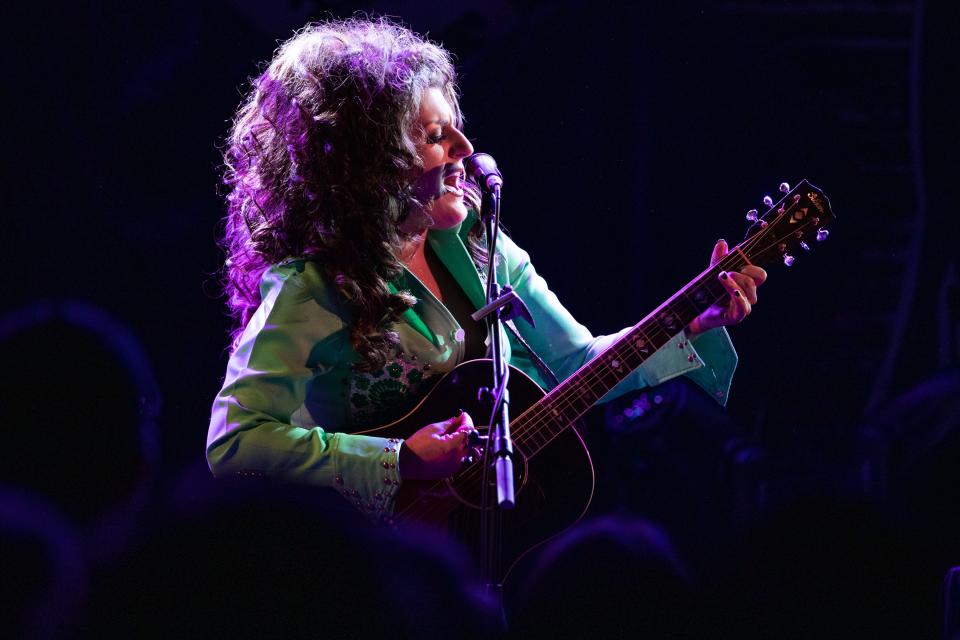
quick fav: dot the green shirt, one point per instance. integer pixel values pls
(291, 395)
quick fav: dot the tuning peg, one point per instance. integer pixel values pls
(788, 259)
(784, 187)
(767, 201)
(752, 215)
(822, 235)
(805, 246)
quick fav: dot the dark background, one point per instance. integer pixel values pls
(630, 138)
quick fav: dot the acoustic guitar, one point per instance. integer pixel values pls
(552, 468)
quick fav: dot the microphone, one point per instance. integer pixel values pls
(481, 169)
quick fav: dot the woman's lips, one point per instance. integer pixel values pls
(453, 184)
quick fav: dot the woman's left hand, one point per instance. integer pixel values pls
(742, 287)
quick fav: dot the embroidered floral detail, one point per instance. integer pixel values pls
(383, 395)
(394, 369)
(388, 393)
(359, 400)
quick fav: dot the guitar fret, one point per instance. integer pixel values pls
(534, 442)
(685, 307)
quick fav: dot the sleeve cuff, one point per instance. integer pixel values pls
(719, 359)
(366, 474)
(673, 359)
(709, 360)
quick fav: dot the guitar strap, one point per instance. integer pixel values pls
(538, 362)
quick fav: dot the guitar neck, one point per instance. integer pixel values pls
(544, 421)
(798, 218)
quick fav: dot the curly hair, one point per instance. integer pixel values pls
(319, 164)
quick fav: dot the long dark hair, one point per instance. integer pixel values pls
(319, 164)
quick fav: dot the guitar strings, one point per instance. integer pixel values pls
(527, 429)
(597, 377)
(530, 430)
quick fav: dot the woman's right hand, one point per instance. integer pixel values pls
(437, 450)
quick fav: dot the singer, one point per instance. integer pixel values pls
(354, 259)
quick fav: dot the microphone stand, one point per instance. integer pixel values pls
(499, 450)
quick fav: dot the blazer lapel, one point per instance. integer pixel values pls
(454, 255)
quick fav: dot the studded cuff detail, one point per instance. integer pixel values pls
(366, 473)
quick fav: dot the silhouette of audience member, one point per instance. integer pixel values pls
(287, 562)
(672, 454)
(78, 408)
(42, 572)
(911, 447)
(614, 577)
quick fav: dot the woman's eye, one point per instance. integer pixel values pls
(435, 138)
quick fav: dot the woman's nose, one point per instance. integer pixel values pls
(462, 147)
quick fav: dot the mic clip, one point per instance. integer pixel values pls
(511, 304)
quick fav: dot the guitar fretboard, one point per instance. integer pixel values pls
(544, 421)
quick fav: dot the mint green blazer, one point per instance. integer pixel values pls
(291, 397)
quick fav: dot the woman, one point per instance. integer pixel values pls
(352, 269)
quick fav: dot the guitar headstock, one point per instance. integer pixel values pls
(789, 227)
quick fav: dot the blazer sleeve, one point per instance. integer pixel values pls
(257, 426)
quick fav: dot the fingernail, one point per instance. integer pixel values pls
(723, 275)
(459, 412)
(721, 240)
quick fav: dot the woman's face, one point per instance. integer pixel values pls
(442, 148)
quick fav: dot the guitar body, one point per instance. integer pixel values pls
(553, 488)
